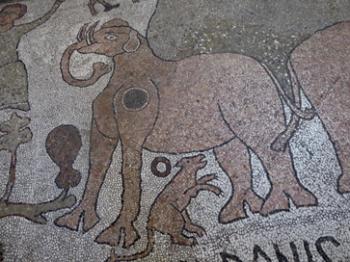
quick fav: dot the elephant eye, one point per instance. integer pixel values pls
(111, 37)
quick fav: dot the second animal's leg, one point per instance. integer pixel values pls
(334, 112)
(234, 159)
(343, 152)
(190, 227)
(101, 151)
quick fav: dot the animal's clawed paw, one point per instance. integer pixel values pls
(195, 242)
(184, 240)
(207, 178)
(200, 231)
(195, 229)
(217, 191)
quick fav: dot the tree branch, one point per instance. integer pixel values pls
(35, 212)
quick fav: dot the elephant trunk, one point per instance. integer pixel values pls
(67, 76)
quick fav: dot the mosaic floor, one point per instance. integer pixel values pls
(162, 130)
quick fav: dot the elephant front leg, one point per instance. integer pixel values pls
(101, 151)
(131, 197)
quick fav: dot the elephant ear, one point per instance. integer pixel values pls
(133, 43)
(115, 23)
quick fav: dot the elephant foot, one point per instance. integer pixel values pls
(278, 199)
(72, 219)
(234, 210)
(344, 184)
(113, 234)
(302, 197)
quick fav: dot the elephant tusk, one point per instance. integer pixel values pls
(82, 32)
(90, 34)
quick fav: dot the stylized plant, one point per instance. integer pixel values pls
(63, 145)
(16, 133)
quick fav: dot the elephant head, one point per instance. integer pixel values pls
(114, 38)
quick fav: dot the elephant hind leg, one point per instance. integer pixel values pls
(234, 159)
(285, 184)
(256, 125)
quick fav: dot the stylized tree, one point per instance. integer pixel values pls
(63, 145)
(15, 134)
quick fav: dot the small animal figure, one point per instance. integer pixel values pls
(106, 5)
(168, 213)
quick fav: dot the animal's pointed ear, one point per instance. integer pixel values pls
(133, 43)
(115, 22)
(178, 164)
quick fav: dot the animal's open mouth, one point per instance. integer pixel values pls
(201, 160)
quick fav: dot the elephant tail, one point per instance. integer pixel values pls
(142, 254)
(307, 113)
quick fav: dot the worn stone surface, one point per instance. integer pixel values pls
(266, 30)
(175, 126)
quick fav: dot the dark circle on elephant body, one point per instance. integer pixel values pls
(161, 162)
(135, 99)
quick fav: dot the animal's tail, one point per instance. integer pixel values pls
(308, 113)
(142, 254)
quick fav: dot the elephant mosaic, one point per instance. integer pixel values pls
(179, 107)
